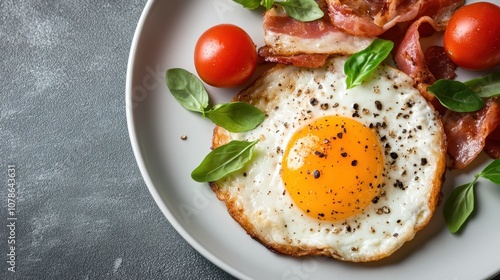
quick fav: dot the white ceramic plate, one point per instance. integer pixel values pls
(165, 38)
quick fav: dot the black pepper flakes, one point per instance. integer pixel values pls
(423, 161)
(319, 154)
(314, 101)
(393, 155)
(316, 174)
(378, 105)
(398, 184)
(354, 163)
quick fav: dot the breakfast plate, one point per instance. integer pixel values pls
(169, 142)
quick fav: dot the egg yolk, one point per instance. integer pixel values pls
(332, 168)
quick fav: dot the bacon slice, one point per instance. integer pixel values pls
(467, 133)
(411, 59)
(439, 64)
(299, 60)
(409, 56)
(492, 145)
(439, 10)
(353, 29)
(284, 36)
(374, 17)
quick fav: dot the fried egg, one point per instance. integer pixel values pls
(347, 173)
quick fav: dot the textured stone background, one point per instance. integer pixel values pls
(83, 209)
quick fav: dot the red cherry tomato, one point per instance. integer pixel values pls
(225, 56)
(472, 37)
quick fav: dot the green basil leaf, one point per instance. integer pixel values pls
(303, 10)
(249, 4)
(492, 172)
(224, 160)
(236, 116)
(459, 206)
(361, 64)
(456, 96)
(187, 89)
(268, 4)
(487, 86)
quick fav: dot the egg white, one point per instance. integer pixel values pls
(387, 102)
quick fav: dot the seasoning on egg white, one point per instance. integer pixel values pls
(338, 176)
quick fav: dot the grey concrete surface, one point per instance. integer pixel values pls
(79, 207)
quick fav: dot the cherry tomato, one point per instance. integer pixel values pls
(472, 37)
(225, 56)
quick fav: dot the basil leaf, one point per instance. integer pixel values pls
(361, 64)
(224, 160)
(487, 86)
(249, 4)
(236, 116)
(303, 10)
(459, 206)
(187, 89)
(268, 4)
(456, 96)
(492, 172)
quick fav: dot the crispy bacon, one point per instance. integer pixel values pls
(439, 64)
(284, 36)
(299, 60)
(439, 10)
(492, 145)
(467, 133)
(370, 18)
(291, 41)
(409, 56)
(374, 17)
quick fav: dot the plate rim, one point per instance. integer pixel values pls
(131, 127)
